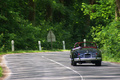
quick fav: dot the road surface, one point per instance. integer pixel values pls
(57, 66)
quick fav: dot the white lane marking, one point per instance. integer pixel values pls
(65, 67)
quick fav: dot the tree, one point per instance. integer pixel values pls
(31, 16)
(117, 10)
(49, 12)
(106, 30)
(71, 20)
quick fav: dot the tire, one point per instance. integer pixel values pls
(98, 63)
(73, 62)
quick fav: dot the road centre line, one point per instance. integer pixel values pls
(65, 67)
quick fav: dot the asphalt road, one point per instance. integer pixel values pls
(56, 66)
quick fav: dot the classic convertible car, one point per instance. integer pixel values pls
(85, 52)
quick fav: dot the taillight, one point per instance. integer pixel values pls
(78, 54)
(96, 53)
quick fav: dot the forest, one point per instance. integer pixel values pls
(29, 21)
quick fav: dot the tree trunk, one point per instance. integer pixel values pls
(32, 12)
(92, 2)
(61, 1)
(48, 12)
(61, 16)
(117, 10)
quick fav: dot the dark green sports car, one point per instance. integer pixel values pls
(85, 52)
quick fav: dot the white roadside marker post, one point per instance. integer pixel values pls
(63, 45)
(84, 42)
(39, 44)
(12, 45)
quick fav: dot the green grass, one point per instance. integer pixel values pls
(1, 70)
(31, 51)
(110, 59)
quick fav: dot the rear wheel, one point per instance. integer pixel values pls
(98, 63)
(73, 62)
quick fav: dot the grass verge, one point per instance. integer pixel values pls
(31, 51)
(110, 58)
(1, 70)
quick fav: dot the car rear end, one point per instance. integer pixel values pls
(87, 55)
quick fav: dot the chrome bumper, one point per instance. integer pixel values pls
(87, 59)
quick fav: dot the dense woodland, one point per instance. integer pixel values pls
(29, 21)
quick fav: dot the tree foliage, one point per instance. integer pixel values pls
(106, 30)
(27, 21)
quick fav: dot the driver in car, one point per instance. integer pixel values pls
(79, 47)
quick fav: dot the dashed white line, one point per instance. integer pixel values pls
(65, 67)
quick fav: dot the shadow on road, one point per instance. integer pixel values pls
(90, 65)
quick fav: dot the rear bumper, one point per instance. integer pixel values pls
(88, 59)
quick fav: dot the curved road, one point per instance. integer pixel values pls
(56, 66)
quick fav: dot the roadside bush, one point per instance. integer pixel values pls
(109, 38)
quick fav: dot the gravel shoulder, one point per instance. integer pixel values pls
(6, 70)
